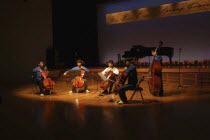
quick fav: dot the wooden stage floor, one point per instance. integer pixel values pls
(183, 113)
(61, 93)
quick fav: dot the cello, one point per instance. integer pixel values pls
(79, 81)
(105, 84)
(122, 79)
(47, 82)
(156, 83)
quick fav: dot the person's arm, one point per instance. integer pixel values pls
(104, 71)
(85, 69)
(131, 68)
(116, 71)
(65, 73)
(35, 69)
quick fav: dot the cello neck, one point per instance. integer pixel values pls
(44, 74)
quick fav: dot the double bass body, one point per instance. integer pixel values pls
(156, 78)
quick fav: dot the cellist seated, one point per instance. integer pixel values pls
(38, 77)
(78, 67)
(112, 76)
(130, 69)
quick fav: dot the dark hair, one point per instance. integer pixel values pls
(80, 61)
(41, 62)
(111, 61)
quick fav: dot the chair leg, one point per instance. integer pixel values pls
(133, 95)
(141, 96)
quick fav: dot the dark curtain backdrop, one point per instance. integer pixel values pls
(75, 32)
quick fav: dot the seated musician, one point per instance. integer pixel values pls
(38, 76)
(79, 67)
(132, 81)
(115, 71)
(159, 58)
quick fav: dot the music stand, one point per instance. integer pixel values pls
(97, 89)
(104, 78)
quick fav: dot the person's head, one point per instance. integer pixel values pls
(110, 63)
(80, 62)
(41, 64)
(154, 53)
(128, 61)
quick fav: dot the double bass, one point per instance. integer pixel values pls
(155, 84)
(79, 80)
(47, 82)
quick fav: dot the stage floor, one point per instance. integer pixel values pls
(61, 93)
(183, 113)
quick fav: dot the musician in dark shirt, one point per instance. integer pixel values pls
(38, 76)
(132, 81)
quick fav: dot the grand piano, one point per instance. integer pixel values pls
(139, 51)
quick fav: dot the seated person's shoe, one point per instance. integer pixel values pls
(72, 91)
(87, 91)
(121, 102)
(41, 94)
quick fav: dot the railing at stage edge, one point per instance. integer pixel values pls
(171, 76)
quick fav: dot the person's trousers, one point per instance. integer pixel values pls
(111, 86)
(41, 86)
(122, 91)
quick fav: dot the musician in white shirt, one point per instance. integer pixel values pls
(112, 77)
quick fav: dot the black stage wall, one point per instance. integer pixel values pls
(25, 34)
(75, 32)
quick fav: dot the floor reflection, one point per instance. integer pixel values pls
(183, 116)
